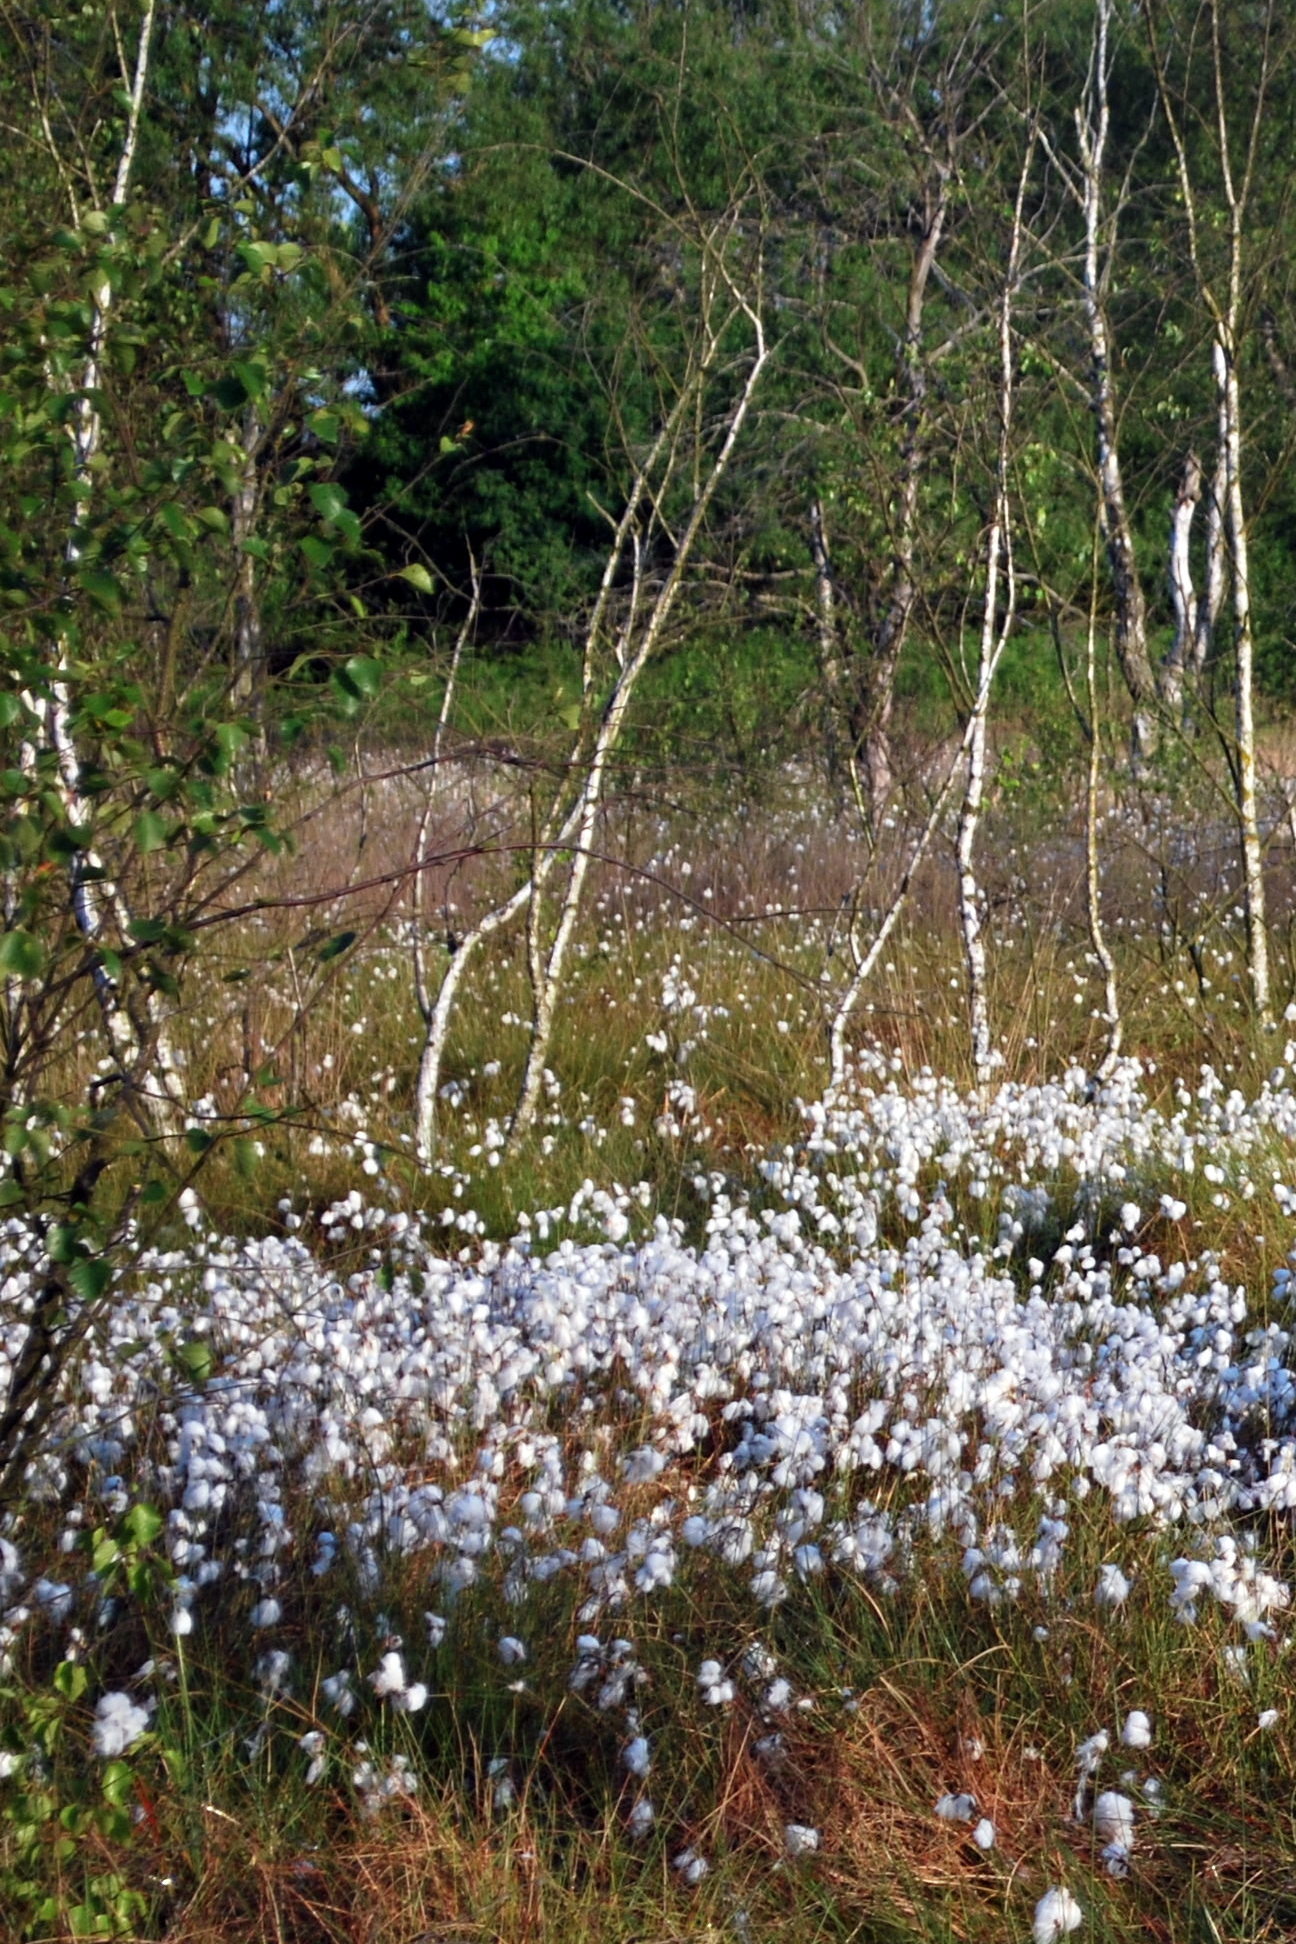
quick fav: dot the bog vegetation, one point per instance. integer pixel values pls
(647, 985)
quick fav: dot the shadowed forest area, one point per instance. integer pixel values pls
(647, 971)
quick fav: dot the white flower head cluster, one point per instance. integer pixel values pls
(640, 1817)
(379, 1783)
(1113, 1587)
(833, 1358)
(961, 1809)
(829, 1378)
(1113, 1821)
(799, 1839)
(1112, 1813)
(1057, 1914)
(1137, 1731)
(713, 1685)
(389, 1683)
(637, 1756)
(119, 1723)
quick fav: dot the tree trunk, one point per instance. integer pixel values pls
(994, 636)
(1183, 595)
(1243, 691)
(874, 672)
(1093, 876)
(830, 663)
(1092, 119)
(633, 657)
(1225, 312)
(248, 691)
(135, 1029)
(1212, 600)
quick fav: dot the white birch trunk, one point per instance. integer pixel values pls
(1183, 595)
(1216, 580)
(439, 1013)
(432, 1057)
(140, 1044)
(971, 899)
(1226, 316)
(994, 637)
(1093, 873)
(632, 666)
(1092, 123)
(1253, 885)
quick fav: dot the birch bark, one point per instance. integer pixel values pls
(876, 674)
(1183, 595)
(136, 1032)
(633, 658)
(995, 630)
(563, 841)
(1224, 308)
(1093, 119)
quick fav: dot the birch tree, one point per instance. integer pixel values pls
(996, 626)
(874, 688)
(726, 302)
(1086, 181)
(969, 761)
(931, 102)
(123, 836)
(134, 1024)
(1093, 870)
(1220, 290)
(675, 480)
(1181, 654)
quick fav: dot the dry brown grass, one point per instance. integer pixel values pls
(416, 1871)
(900, 1754)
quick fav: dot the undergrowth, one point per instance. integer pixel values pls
(176, 1758)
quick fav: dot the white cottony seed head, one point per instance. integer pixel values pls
(642, 1816)
(1113, 1819)
(1091, 1752)
(1137, 1732)
(119, 1723)
(1056, 1914)
(637, 1756)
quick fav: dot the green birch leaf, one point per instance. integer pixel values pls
(21, 955)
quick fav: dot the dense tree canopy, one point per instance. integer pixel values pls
(396, 287)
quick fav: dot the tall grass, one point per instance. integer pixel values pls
(691, 1039)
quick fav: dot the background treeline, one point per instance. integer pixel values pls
(568, 397)
(399, 289)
